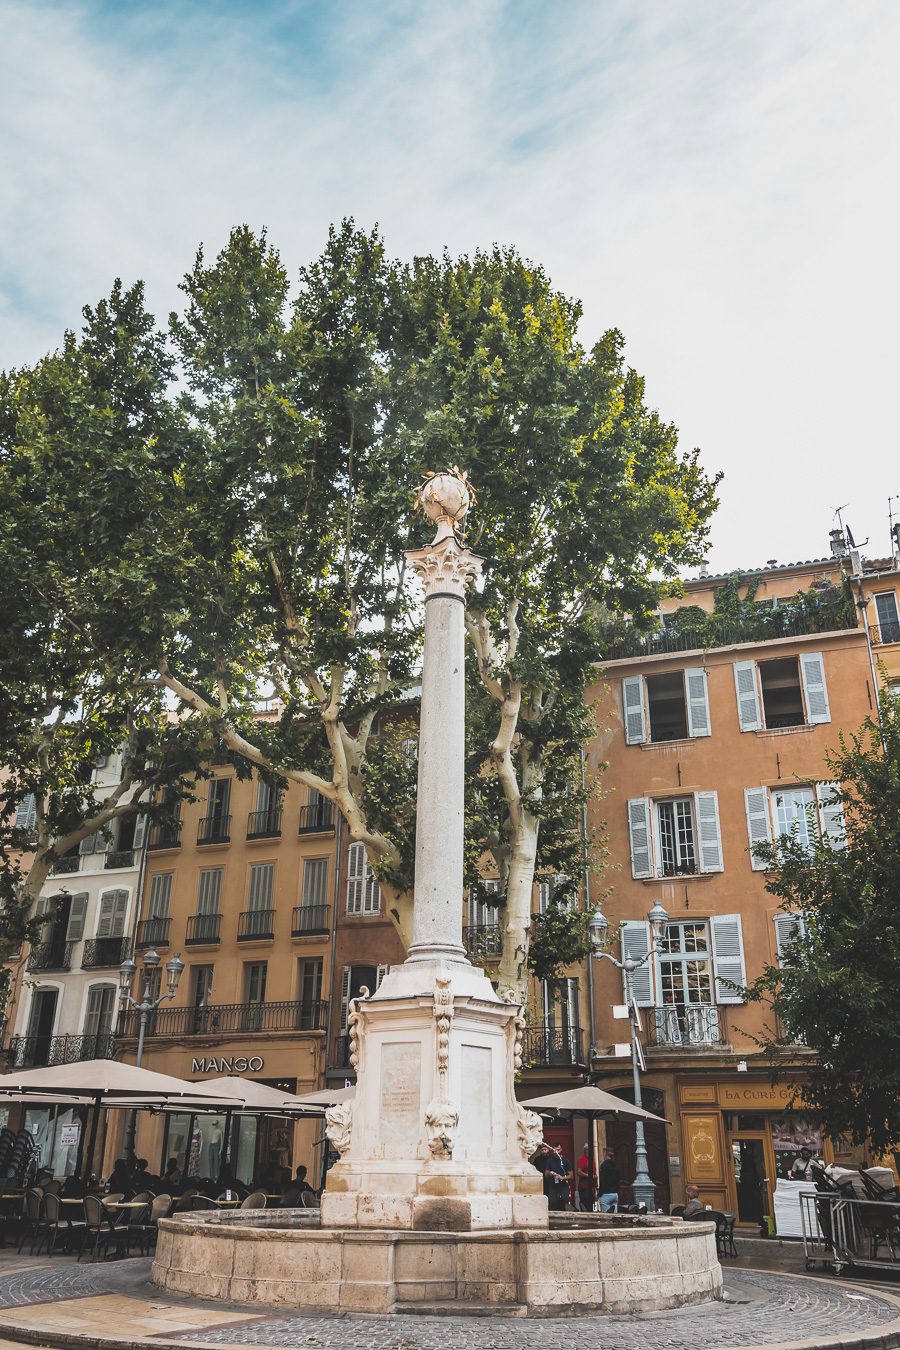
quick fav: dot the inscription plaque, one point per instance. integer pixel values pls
(476, 1113)
(401, 1102)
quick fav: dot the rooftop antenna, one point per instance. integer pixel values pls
(894, 527)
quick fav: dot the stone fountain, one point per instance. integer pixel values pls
(434, 1199)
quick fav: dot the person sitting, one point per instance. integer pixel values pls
(172, 1176)
(120, 1182)
(693, 1206)
(142, 1179)
(293, 1194)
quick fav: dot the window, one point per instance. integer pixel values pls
(262, 885)
(888, 618)
(796, 810)
(315, 882)
(26, 813)
(788, 692)
(675, 836)
(669, 707)
(217, 801)
(255, 982)
(547, 887)
(209, 891)
(160, 895)
(201, 996)
(483, 912)
(77, 915)
(699, 964)
(685, 986)
(98, 1018)
(113, 908)
(789, 929)
(310, 986)
(353, 980)
(363, 890)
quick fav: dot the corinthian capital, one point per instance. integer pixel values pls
(445, 567)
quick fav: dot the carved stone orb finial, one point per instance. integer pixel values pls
(445, 499)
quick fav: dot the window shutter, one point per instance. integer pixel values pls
(41, 906)
(728, 956)
(379, 976)
(262, 881)
(103, 839)
(160, 895)
(788, 929)
(210, 890)
(831, 814)
(87, 845)
(345, 998)
(759, 826)
(639, 834)
(315, 881)
(635, 945)
(98, 1016)
(545, 891)
(26, 813)
(140, 830)
(372, 903)
(697, 699)
(77, 914)
(710, 836)
(633, 710)
(356, 878)
(815, 692)
(747, 695)
(113, 907)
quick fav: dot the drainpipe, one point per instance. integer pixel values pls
(588, 907)
(862, 605)
(339, 830)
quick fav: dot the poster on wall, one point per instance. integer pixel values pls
(68, 1136)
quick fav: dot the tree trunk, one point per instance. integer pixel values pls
(513, 986)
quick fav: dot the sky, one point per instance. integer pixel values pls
(718, 180)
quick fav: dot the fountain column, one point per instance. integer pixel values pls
(434, 1138)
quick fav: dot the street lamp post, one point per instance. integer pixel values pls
(144, 1007)
(642, 1187)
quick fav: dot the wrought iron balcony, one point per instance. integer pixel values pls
(227, 1019)
(317, 819)
(255, 924)
(202, 928)
(483, 941)
(545, 1045)
(887, 632)
(27, 1052)
(51, 956)
(165, 836)
(679, 1026)
(123, 857)
(214, 830)
(264, 824)
(104, 952)
(153, 933)
(64, 867)
(309, 919)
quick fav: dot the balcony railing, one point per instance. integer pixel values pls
(64, 867)
(165, 836)
(309, 919)
(104, 952)
(27, 1052)
(317, 819)
(202, 928)
(885, 633)
(255, 924)
(685, 1026)
(123, 857)
(214, 830)
(152, 933)
(51, 956)
(226, 1019)
(713, 632)
(483, 941)
(340, 1053)
(544, 1046)
(263, 824)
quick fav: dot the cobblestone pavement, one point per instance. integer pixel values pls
(762, 1308)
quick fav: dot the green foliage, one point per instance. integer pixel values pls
(836, 993)
(559, 939)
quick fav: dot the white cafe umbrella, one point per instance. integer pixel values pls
(328, 1096)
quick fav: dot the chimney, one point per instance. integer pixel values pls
(704, 567)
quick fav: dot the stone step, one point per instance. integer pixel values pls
(461, 1308)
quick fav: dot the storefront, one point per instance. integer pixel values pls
(739, 1135)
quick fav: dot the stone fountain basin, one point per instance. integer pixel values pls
(584, 1263)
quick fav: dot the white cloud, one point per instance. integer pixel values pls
(716, 180)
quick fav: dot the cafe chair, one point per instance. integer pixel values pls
(32, 1214)
(138, 1224)
(256, 1200)
(55, 1225)
(202, 1202)
(100, 1228)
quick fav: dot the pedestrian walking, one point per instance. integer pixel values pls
(586, 1180)
(609, 1183)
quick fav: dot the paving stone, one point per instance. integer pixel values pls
(761, 1308)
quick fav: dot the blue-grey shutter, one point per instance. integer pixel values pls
(113, 907)
(262, 883)
(697, 699)
(759, 824)
(641, 839)
(77, 914)
(356, 877)
(210, 891)
(709, 834)
(633, 710)
(635, 945)
(160, 895)
(789, 928)
(26, 813)
(831, 814)
(728, 956)
(315, 882)
(815, 691)
(749, 715)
